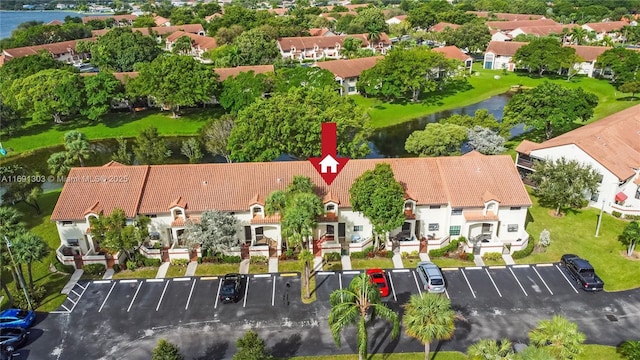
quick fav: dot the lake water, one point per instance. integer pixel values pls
(9, 20)
(389, 141)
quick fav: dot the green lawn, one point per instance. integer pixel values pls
(376, 262)
(209, 269)
(575, 233)
(140, 273)
(332, 266)
(289, 266)
(441, 355)
(176, 271)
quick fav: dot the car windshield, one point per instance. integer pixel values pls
(381, 285)
(228, 288)
(22, 314)
(376, 276)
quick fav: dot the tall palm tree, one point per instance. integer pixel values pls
(429, 317)
(559, 336)
(490, 349)
(306, 258)
(28, 248)
(357, 304)
(578, 35)
(77, 146)
(10, 226)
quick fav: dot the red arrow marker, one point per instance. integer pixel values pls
(329, 165)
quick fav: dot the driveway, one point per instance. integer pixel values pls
(125, 318)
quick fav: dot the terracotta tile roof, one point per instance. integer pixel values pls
(55, 22)
(504, 48)
(95, 209)
(180, 222)
(614, 142)
(278, 11)
(606, 27)
(271, 219)
(349, 68)
(545, 30)
(589, 53)
(203, 42)
(160, 30)
(329, 197)
(309, 42)
(225, 73)
(54, 49)
(84, 188)
(319, 31)
(510, 25)
(86, 19)
(160, 21)
(257, 200)
(452, 52)
(479, 216)
(507, 16)
(179, 202)
(488, 196)
(439, 27)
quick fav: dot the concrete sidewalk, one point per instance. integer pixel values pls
(72, 282)
(108, 275)
(424, 257)
(244, 266)
(397, 261)
(478, 260)
(162, 270)
(273, 264)
(346, 262)
(191, 268)
(318, 262)
(508, 259)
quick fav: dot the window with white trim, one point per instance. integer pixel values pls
(512, 228)
(456, 211)
(454, 230)
(434, 227)
(67, 223)
(358, 228)
(73, 242)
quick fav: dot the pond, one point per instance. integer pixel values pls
(389, 141)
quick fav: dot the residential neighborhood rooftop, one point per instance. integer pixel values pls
(349, 68)
(511, 25)
(225, 73)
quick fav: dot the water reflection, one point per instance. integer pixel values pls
(389, 141)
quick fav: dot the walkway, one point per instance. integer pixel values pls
(72, 282)
(346, 262)
(162, 270)
(478, 260)
(273, 264)
(191, 268)
(244, 266)
(397, 261)
(318, 262)
(508, 259)
(424, 257)
(108, 274)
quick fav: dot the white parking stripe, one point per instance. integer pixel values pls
(83, 287)
(393, 290)
(246, 291)
(473, 268)
(101, 282)
(73, 291)
(520, 266)
(400, 270)
(273, 293)
(215, 306)
(515, 277)
(162, 296)
(134, 296)
(68, 311)
(126, 281)
(468, 283)
(545, 284)
(74, 302)
(543, 265)
(78, 299)
(190, 293)
(340, 280)
(261, 275)
(417, 285)
(493, 282)
(325, 273)
(154, 280)
(181, 279)
(566, 278)
(105, 299)
(351, 272)
(447, 293)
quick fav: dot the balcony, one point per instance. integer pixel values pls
(528, 163)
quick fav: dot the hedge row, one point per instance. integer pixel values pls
(524, 253)
(453, 246)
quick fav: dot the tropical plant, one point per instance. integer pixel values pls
(251, 347)
(215, 231)
(630, 236)
(429, 317)
(356, 305)
(28, 248)
(306, 258)
(490, 349)
(630, 349)
(166, 351)
(559, 336)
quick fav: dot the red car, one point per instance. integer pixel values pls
(379, 278)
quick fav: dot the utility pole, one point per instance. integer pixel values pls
(600, 219)
(20, 277)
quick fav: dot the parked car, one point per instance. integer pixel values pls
(582, 272)
(431, 277)
(379, 278)
(12, 338)
(230, 290)
(17, 318)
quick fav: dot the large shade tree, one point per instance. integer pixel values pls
(550, 108)
(215, 134)
(150, 148)
(242, 90)
(175, 81)
(113, 233)
(558, 336)
(120, 49)
(379, 197)
(563, 183)
(429, 317)
(544, 54)
(436, 140)
(290, 123)
(624, 64)
(215, 231)
(358, 304)
(101, 91)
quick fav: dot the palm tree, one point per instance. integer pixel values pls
(306, 258)
(29, 248)
(10, 226)
(630, 349)
(534, 353)
(490, 349)
(559, 336)
(630, 236)
(77, 146)
(357, 304)
(578, 35)
(429, 317)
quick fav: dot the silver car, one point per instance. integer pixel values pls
(430, 277)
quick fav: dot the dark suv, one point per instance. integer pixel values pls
(230, 289)
(582, 272)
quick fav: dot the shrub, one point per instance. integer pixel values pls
(390, 254)
(632, 217)
(180, 262)
(464, 256)
(94, 269)
(525, 252)
(545, 238)
(116, 268)
(36, 294)
(157, 246)
(131, 265)
(383, 253)
(259, 259)
(414, 254)
(332, 256)
(288, 254)
(151, 262)
(358, 255)
(404, 255)
(67, 269)
(232, 259)
(453, 245)
(492, 256)
(616, 214)
(470, 256)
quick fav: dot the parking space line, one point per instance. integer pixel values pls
(417, 285)
(73, 291)
(209, 278)
(473, 268)
(273, 293)
(351, 272)
(134, 296)
(80, 296)
(468, 283)
(162, 296)
(288, 274)
(101, 281)
(83, 287)
(190, 293)
(520, 266)
(181, 279)
(215, 306)
(68, 311)
(543, 265)
(566, 278)
(400, 270)
(325, 273)
(449, 269)
(544, 282)
(493, 282)
(497, 267)
(74, 302)
(261, 275)
(518, 281)
(107, 297)
(126, 281)
(340, 282)
(446, 293)
(155, 280)
(246, 290)
(393, 288)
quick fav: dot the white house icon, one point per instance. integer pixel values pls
(329, 164)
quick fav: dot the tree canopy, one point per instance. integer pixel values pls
(102, 90)
(113, 233)
(120, 49)
(624, 63)
(436, 140)
(304, 76)
(559, 337)
(485, 141)
(240, 91)
(150, 148)
(429, 317)
(550, 107)
(290, 123)
(563, 183)
(215, 134)
(251, 347)
(630, 236)
(406, 73)
(256, 47)
(473, 36)
(544, 54)
(216, 232)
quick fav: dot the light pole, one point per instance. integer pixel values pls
(20, 278)
(600, 219)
